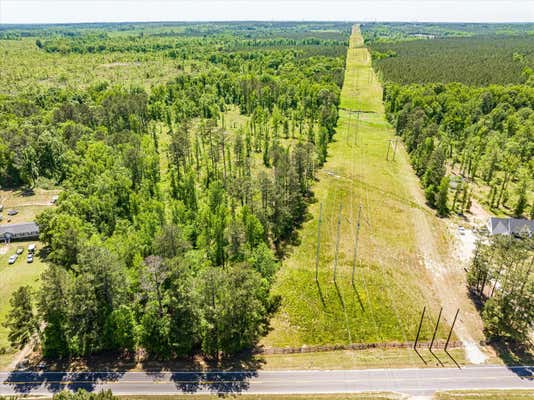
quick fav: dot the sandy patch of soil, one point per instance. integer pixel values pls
(120, 64)
(446, 267)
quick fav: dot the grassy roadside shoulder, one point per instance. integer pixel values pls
(485, 395)
(342, 396)
(452, 395)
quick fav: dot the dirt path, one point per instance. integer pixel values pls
(22, 355)
(445, 259)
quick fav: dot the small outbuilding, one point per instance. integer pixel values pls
(22, 231)
(511, 226)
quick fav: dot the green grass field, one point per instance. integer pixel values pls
(11, 278)
(28, 206)
(20, 273)
(391, 284)
(342, 396)
(486, 395)
(77, 70)
(361, 359)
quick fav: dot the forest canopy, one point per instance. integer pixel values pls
(179, 194)
(460, 95)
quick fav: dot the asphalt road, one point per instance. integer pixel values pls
(408, 381)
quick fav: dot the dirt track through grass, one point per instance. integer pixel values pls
(391, 284)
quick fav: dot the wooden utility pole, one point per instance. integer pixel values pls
(436, 329)
(496, 281)
(318, 242)
(348, 127)
(387, 153)
(337, 241)
(355, 259)
(395, 148)
(527, 276)
(452, 327)
(357, 128)
(419, 329)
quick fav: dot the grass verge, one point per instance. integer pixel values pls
(372, 358)
(347, 396)
(486, 395)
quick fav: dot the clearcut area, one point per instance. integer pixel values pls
(367, 180)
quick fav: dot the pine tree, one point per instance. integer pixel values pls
(21, 320)
(522, 201)
(441, 201)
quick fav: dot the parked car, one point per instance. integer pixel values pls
(29, 259)
(31, 248)
(12, 259)
(12, 212)
(461, 230)
(20, 250)
(1, 207)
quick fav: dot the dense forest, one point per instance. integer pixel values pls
(463, 106)
(178, 199)
(477, 60)
(403, 31)
(500, 278)
(480, 136)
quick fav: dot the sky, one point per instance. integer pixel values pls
(57, 11)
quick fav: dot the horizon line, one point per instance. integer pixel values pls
(267, 20)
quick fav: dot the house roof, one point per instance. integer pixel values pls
(17, 229)
(507, 226)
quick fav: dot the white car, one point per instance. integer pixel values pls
(31, 248)
(12, 259)
(461, 230)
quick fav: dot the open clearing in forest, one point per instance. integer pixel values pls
(391, 283)
(27, 204)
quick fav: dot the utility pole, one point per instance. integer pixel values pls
(318, 242)
(527, 277)
(357, 128)
(419, 329)
(355, 260)
(395, 148)
(435, 329)
(452, 327)
(389, 146)
(348, 128)
(337, 241)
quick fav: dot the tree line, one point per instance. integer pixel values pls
(477, 60)
(483, 135)
(501, 278)
(395, 31)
